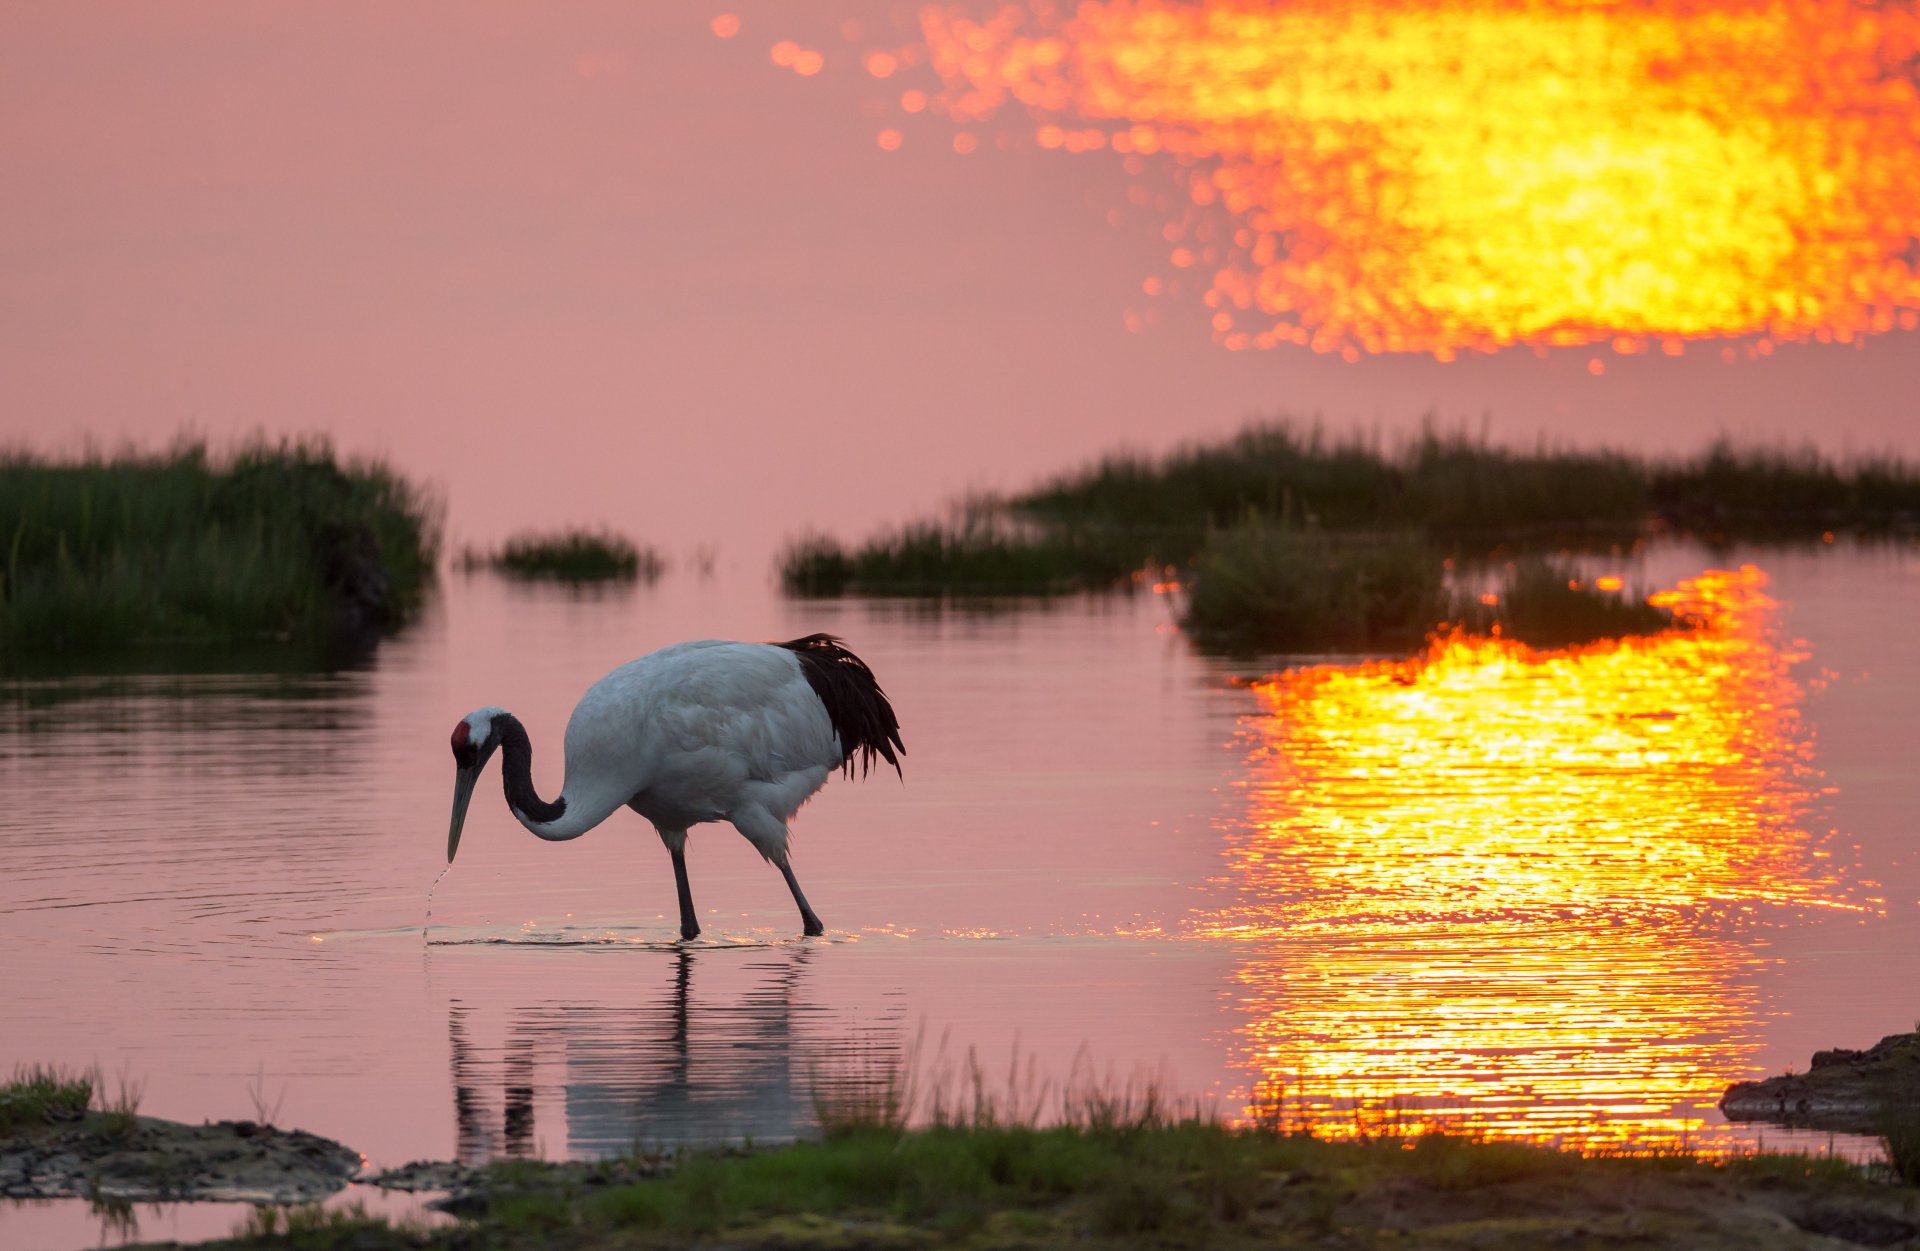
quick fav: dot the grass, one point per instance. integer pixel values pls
(980, 554)
(1441, 484)
(40, 1094)
(1900, 1136)
(1262, 587)
(47, 1094)
(1280, 588)
(1137, 1171)
(1459, 494)
(575, 555)
(912, 1160)
(273, 541)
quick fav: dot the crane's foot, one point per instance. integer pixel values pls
(689, 932)
(811, 927)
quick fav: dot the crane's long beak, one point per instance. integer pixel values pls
(463, 780)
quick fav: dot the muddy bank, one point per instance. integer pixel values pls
(141, 1159)
(1843, 1091)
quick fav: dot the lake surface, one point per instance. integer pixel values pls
(1571, 894)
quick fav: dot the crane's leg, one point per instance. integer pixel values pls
(676, 841)
(769, 836)
(809, 923)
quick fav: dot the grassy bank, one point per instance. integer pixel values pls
(570, 556)
(1178, 1183)
(271, 542)
(1123, 1168)
(1457, 495)
(48, 1094)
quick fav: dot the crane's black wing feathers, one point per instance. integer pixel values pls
(855, 704)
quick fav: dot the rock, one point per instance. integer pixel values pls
(144, 1159)
(1844, 1091)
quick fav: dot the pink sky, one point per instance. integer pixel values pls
(586, 262)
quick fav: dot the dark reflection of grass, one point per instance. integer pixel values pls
(1260, 587)
(1545, 603)
(277, 542)
(1094, 527)
(575, 555)
(1278, 588)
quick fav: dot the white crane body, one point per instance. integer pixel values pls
(696, 732)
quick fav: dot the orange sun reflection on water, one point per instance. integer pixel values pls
(1521, 891)
(1436, 177)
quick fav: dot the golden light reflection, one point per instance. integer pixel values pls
(1419, 175)
(1526, 892)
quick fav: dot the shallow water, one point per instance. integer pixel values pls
(1572, 895)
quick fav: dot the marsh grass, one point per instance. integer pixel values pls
(951, 1148)
(40, 1094)
(1442, 484)
(977, 554)
(1261, 586)
(1900, 1137)
(273, 541)
(1458, 492)
(118, 1114)
(46, 1094)
(576, 555)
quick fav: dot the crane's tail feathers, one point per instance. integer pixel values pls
(855, 704)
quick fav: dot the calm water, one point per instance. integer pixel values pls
(1570, 894)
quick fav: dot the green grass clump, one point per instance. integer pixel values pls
(977, 555)
(1783, 492)
(955, 1177)
(814, 565)
(1900, 1136)
(40, 1094)
(1091, 528)
(573, 556)
(275, 541)
(1440, 484)
(44, 1094)
(1267, 587)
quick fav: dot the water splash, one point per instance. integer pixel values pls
(436, 886)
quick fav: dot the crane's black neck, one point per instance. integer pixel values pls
(516, 767)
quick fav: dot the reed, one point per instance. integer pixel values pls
(1262, 586)
(576, 555)
(1091, 528)
(979, 554)
(40, 1094)
(273, 541)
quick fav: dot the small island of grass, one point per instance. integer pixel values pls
(1288, 540)
(575, 555)
(278, 543)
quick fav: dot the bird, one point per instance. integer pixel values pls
(712, 730)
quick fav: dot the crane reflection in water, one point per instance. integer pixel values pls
(723, 1048)
(1526, 892)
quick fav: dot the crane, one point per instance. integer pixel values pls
(703, 731)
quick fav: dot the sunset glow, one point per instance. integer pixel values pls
(1517, 889)
(1438, 177)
